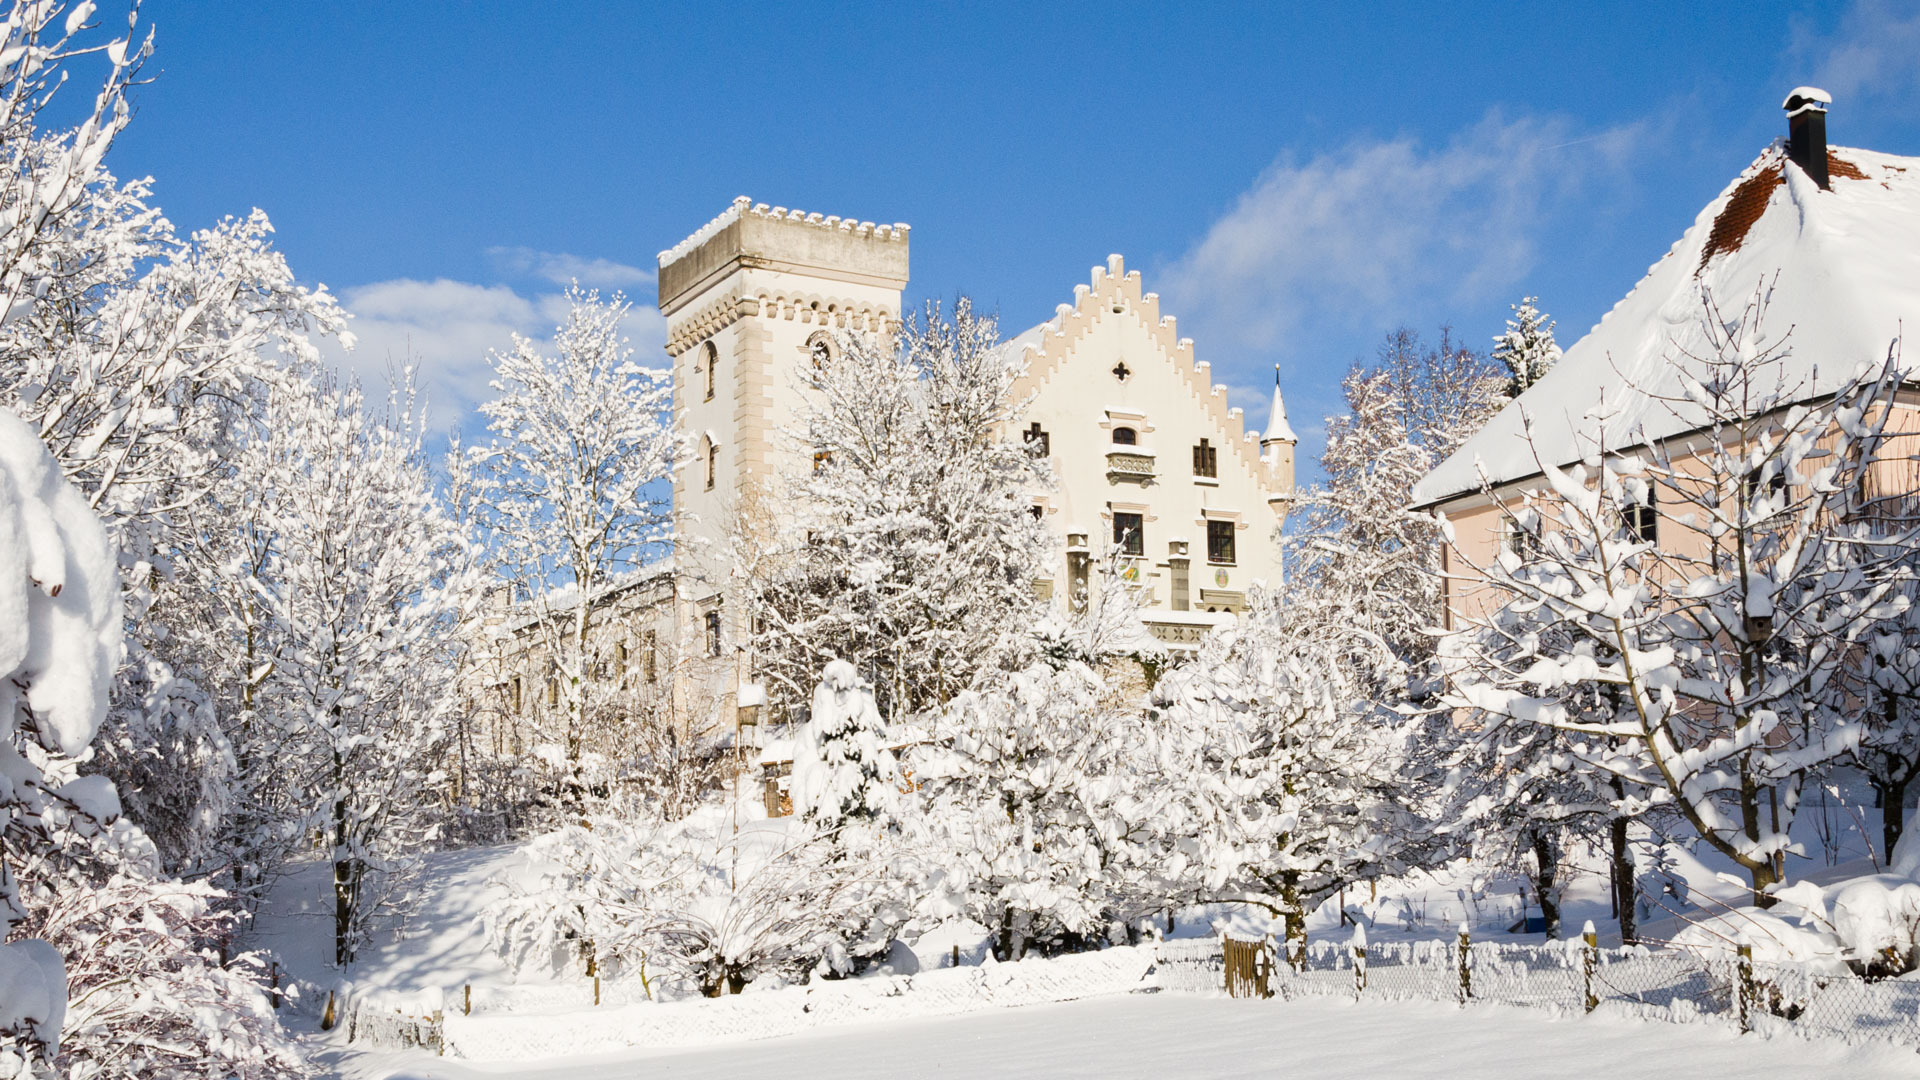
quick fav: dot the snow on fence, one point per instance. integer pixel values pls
(533, 1022)
(1569, 976)
(577, 1027)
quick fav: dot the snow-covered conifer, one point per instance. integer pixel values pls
(842, 767)
(1526, 348)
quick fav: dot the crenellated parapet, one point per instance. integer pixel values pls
(1114, 291)
(755, 236)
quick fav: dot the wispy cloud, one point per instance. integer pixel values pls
(1869, 53)
(561, 268)
(445, 330)
(1371, 232)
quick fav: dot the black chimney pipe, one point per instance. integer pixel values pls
(1807, 132)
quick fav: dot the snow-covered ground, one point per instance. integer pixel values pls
(1171, 1035)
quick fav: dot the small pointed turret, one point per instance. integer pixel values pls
(1276, 451)
(1278, 430)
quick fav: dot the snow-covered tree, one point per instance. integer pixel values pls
(1526, 348)
(572, 492)
(1040, 810)
(911, 549)
(365, 583)
(1886, 681)
(842, 768)
(1356, 546)
(1685, 615)
(134, 352)
(1288, 770)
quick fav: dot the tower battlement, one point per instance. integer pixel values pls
(749, 235)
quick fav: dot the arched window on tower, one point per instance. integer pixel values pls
(712, 361)
(713, 460)
(820, 348)
(1125, 436)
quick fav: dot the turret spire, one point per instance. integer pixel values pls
(1277, 428)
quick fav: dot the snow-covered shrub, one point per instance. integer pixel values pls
(697, 903)
(1039, 811)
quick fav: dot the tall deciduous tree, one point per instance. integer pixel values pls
(572, 492)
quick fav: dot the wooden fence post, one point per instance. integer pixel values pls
(1466, 965)
(1743, 990)
(1359, 958)
(1590, 962)
(327, 1018)
(466, 1000)
(439, 1032)
(596, 988)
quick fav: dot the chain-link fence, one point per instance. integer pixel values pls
(1572, 976)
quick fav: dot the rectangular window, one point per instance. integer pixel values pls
(713, 633)
(1038, 441)
(1643, 520)
(1206, 461)
(1220, 541)
(514, 691)
(620, 660)
(1129, 531)
(649, 656)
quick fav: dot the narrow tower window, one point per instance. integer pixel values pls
(712, 360)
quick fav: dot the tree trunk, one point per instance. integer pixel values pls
(1893, 813)
(1296, 916)
(1623, 890)
(1543, 883)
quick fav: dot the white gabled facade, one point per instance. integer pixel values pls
(1148, 454)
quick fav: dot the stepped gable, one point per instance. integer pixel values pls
(1115, 291)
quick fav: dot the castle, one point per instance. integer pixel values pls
(1147, 452)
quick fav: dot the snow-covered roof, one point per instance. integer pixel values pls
(1841, 269)
(1277, 426)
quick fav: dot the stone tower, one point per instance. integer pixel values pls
(749, 299)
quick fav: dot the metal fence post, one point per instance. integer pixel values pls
(1359, 958)
(1466, 965)
(1743, 991)
(1590, 962)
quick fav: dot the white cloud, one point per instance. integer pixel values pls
(445, 330)
(1376, 231)
(563, 269)
(1869, 53)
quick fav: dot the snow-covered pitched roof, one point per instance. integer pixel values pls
(1842, 273)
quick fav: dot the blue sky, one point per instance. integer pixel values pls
(1294, 180)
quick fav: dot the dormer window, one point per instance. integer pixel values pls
(1125, 436)
(711, 358)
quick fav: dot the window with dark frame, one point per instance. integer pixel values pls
(1220, 541)
(713, 461)
(1038, 441)
(1125, 436)
(819, 350)
(1643, 519)
(713, 633)
(712, 356)
(650, 656)
(1129, 531)
(1206, 461)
